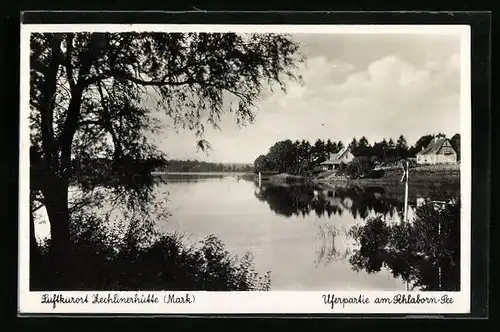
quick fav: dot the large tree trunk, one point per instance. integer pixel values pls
(56, 203)
(35, 255)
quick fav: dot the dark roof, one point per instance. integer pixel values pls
(433, 147)
(335, 158)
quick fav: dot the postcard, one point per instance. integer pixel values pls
(232, 169)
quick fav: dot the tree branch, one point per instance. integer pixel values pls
(120, 74)
(69, 67)
(108, 125)
(48, 90)
(39, 67)
(127, 76)
(70, 125)
(89, 122)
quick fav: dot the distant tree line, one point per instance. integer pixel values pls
(203, 166)
(90, 172)
(304, 158)
(93, 172)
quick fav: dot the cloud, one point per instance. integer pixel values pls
(390, 95)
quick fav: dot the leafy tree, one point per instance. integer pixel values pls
(384, 143)
(303, 155)
(353, 146)
(391, 148)
(412, 152)
(340, 146)
(358, 167)
(304, 151)
(363, 148)
(330, 146)
(423, 142)
(455, 143)
(262, 163)
(282, 156)
(378, 151)
(363, 141)
(401, 147)
(319, 152)
(89, 94)
(390, 144)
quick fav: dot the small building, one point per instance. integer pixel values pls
(343, 156)
(439, 151)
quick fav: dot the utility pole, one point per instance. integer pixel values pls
(439, 266)
(405, 177)
(406, 173)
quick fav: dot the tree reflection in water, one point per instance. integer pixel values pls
(325, 242)
(302, 200)
(424, 252)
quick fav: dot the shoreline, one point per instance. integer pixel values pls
(425, 174)
(420, 181)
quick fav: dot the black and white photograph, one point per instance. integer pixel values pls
(189, 160)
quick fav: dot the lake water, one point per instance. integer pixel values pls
(300, 234)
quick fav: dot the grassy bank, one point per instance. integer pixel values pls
(249, 176)
(285, 178)
(419, 174)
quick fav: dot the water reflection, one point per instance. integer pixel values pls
(326, 246)
(302, 200)
(196, 176)
(423, 252)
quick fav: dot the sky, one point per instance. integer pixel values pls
(353, 85)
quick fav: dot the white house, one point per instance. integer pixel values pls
(439, 151)
(343, 156)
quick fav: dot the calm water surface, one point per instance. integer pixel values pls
(298, 233)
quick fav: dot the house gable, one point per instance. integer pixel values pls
(446, 149)
(438, 151)
(438, 146)
(344, 156)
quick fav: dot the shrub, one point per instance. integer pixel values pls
(137, 258)
(375, 174)
(342, 169)
(359, 167)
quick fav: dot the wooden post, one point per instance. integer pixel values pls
(407, 175)
(439, 266)
(260, 179)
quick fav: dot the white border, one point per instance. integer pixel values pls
(249, 302)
